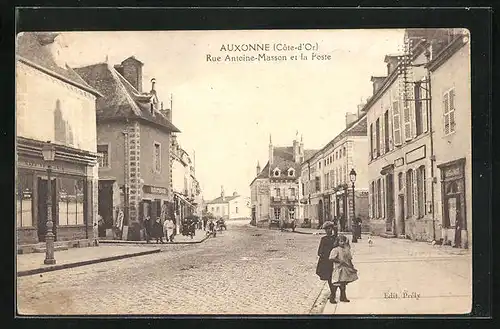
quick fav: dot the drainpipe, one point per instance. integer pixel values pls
(433, 157)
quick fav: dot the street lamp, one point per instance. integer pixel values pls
(352, 176)
(49, 154)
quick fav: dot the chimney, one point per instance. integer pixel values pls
(377, 83)
(392, 62)
(301, 149)
(271, 150)
(222, 193)
(350, 118)
(153, 83)
(258, 168)
(131, 69)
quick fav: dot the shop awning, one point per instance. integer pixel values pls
(182, 198)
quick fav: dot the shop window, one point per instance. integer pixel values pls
(24, 205)
(71, 201)
(277, 213)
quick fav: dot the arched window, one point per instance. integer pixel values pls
(291, 172)
(276, 172)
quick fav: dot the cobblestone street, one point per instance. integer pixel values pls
(242, 270)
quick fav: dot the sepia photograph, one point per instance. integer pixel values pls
(243, 172)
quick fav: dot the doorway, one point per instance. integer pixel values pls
(401, 217)
(42, 191)
(105, 204)
(390, 202)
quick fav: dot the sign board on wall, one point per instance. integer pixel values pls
(416, 154)
(154, 189)
(58, 167)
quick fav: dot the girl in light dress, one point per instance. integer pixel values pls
(343, 269)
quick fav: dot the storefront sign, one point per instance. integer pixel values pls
(39, 164)
(399, 162)
(415, 155)
(154, 189)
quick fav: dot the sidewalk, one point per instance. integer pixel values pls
(29, 264)
(200, 236)
(403, 277)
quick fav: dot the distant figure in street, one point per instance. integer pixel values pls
(205, 220)
(100, 227)
(343, 269)
(158, 230)
(168, 230)
(324, 268)
(211, 227)
(359, 223)
(147, 228)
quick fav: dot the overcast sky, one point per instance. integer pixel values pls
(227, 110)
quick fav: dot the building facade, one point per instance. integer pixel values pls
(53, 104)
(185, 186)
(133, 139)
(229, 207)
(275, 190)
(451, 124)
(402, 173)
(326, 188)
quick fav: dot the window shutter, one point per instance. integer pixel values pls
(446, 117)
(415, 192)
(396, 123)
(374, 139)
(389, 125)
(424, 107)
(382, 188)
(452, 110)
(407, 120)
(413, 115)
(382, 134)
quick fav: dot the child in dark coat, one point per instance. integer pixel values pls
(325, 265)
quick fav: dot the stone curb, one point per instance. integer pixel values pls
(148, 244)
(85, 262)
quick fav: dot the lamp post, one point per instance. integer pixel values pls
(49, 154)
(352, 176)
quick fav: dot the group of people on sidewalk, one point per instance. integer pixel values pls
(155, 230)
(335, 261)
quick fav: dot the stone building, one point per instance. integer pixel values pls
(451, 124)
(53, 104)
(402, 173)
(233, 206)
(133, 139)
(186, 188)
(275, 189)
(326, 189)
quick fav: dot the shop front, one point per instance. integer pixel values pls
(71, 185)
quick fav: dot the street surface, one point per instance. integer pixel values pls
(247, 270)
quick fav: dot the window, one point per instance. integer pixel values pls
(372, 199)
(291, 213)
(377, 137)
(418, 108)
(421, 191)
(157, 157)
(292, 192)
(277, 213)
(103, 151)
(277, 192)
(24, 214)
(407, 121)
(318, 184)
(303, 189)
(236, 209)
(276, 172)
(213, 209)
(372, 153)
(386, 130)
(344, 151)
(396, 123)
(71, 201)
(449, 111)
(319, 164)
(218, 209)
(379, 198)
(291, 172)
(409, 193)
(400, 181)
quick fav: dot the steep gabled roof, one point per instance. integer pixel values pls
(121, 100)
(32, 49)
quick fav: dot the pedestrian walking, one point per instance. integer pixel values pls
(324, 269)
(343, 269)
(147, 228)
(158, 230)
(205, 220)
(168, 229)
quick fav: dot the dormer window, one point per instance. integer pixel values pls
(291, 172)
(276, 172)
